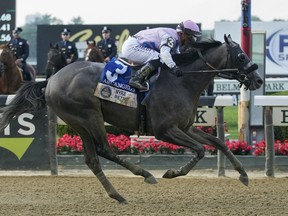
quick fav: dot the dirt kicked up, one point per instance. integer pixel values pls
(192, 195)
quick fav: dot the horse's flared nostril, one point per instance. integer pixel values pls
(260, 81)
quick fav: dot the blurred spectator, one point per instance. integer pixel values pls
(20, 49)
(107, 45)
(67, 47)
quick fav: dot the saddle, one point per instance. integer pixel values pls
(114, 86)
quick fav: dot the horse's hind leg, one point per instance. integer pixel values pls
(205, 138)
(105, 151)
(92, 161)
(82, 126)
(102, 149)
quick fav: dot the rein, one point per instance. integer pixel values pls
(214, 69)
(232, 70)
(231, 73)
(202, 57)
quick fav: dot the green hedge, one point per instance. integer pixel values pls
(65, 129)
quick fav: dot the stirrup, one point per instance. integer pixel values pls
(147, 86)
(142, 87)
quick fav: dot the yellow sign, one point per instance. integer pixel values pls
(17, 146)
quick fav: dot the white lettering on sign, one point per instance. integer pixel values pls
(29, 126)
(7, 130)
(26, 127)
(232, 86)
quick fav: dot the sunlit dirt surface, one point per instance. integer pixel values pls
(82, 194)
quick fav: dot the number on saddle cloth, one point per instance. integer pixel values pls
(118, 73)
(115, 72)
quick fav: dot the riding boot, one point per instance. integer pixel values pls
(26, 73)
(137, 81)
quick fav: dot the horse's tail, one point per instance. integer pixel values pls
(29, 97)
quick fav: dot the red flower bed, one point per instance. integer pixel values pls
(122, 144)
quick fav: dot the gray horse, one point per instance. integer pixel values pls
(171, 105)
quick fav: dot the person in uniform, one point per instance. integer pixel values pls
(107, 45)
(67, 47)
(153, 47)
(20, 50)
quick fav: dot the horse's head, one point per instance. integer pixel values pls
(6, 55)
(56, 60)
(6, 58)
(247, 70)
(92, 53)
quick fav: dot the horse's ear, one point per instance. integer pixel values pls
(56, 46)
(225, 38)
(51, 46)
(87, 42)
(94, 43)
(228, 38)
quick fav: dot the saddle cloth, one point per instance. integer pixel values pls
(114, 84)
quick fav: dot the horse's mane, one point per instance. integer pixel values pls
(202, 45)
(206, 43)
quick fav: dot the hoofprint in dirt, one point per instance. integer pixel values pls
(78, 193)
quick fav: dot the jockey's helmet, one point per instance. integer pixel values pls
(189, 27)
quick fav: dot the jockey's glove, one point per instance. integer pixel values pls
(177, 71)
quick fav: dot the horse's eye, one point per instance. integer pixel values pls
(241, 57)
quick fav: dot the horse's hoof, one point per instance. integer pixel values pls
(120, 199)
(244, 179)
(150, 180)
(169, 174)
(124, 202)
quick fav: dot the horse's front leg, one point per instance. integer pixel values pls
(205, 138)
(176, 136)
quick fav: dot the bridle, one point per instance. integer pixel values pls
(53, 68)
(239, 60)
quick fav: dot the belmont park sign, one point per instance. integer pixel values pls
(224, 86)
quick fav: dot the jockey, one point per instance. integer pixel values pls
(155, 46)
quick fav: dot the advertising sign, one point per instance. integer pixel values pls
(24, 142)
(276, 42)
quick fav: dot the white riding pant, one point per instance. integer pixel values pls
(135, 52)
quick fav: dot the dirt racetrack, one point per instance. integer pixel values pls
(193, 195)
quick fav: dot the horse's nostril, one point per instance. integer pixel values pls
(260, 81)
